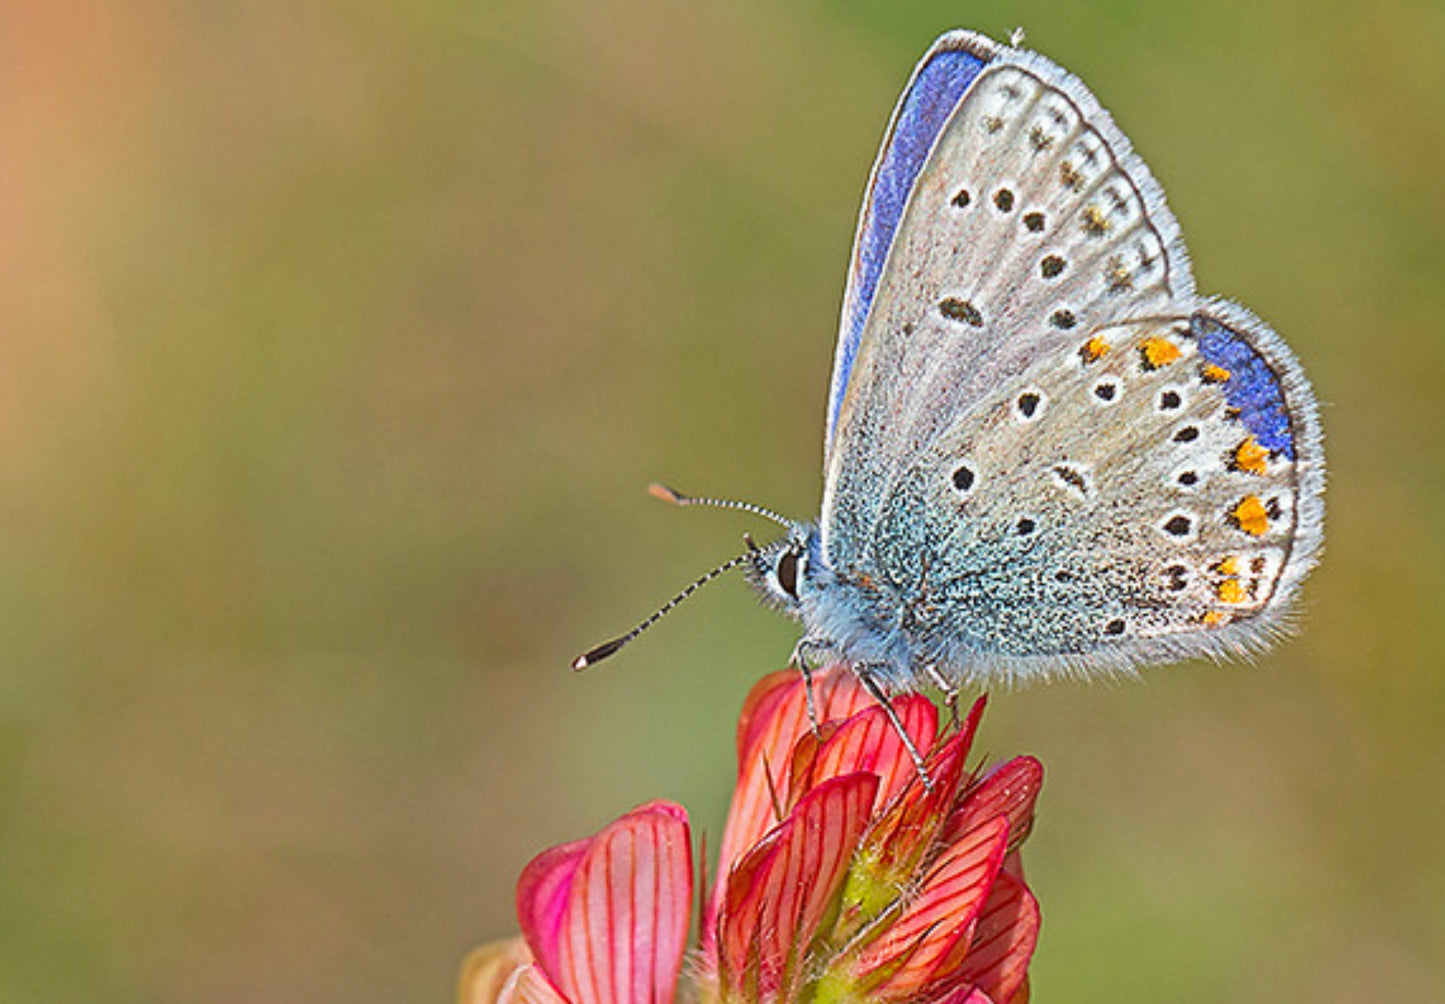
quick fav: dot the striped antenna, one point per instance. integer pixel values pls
(596, 655)
(666, 494)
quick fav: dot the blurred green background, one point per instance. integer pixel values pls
(338, 342)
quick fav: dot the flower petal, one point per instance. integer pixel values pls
(607, 917)
(543, 893)
(487, 969)
(969, 729)
(925, 943)
(1010, 789)
(760, 708)
(775, 712)
(866, 741)
(528, 986)
(1004, 940)
(781, 890)
(901, 836)
(774, 716)
(966, 995)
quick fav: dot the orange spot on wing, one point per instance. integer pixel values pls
(1094, 349)
(1251, 515)
(1215, 374)
(1250, 456)
(1213, 618)
(1229, 566)
(1230, 591)
(1158, 352)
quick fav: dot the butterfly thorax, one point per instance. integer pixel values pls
(848, 614)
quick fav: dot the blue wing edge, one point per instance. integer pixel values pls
(939, 82)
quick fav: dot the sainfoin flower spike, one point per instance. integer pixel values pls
(841, 876)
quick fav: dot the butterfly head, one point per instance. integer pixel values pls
(786, 571)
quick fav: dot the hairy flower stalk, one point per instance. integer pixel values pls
(842, 877)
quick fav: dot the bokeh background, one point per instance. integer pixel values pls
(338, 342)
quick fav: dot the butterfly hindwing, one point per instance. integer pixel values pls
(1116, 508)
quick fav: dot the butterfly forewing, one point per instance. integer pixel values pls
(1010, 246)
(933, 92)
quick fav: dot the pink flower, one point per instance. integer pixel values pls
(606, 918)
(842, 877)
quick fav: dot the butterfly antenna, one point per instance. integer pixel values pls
(666, 494)
(596, 655)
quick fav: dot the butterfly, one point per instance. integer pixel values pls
(1046, 453)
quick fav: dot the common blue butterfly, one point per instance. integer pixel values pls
(1046, 453)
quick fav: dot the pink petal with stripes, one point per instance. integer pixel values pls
(1014, 863)
(866, 741)
(774, 716)
(908, 828)
(543, 891)
(775, 712)
(607, 918)
(528, 986)
(924, 945)
(1004, 940)
(781, 890)
(1010, 789)
(920, 807)
(969, 729)
(760, 708)
(965, 995)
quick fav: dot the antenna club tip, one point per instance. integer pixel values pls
(595, 655)
(660, 491)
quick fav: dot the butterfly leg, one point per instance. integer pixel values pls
(871, 685)
(950, 692)
(804, 654)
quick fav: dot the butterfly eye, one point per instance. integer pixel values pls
(788, 573)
